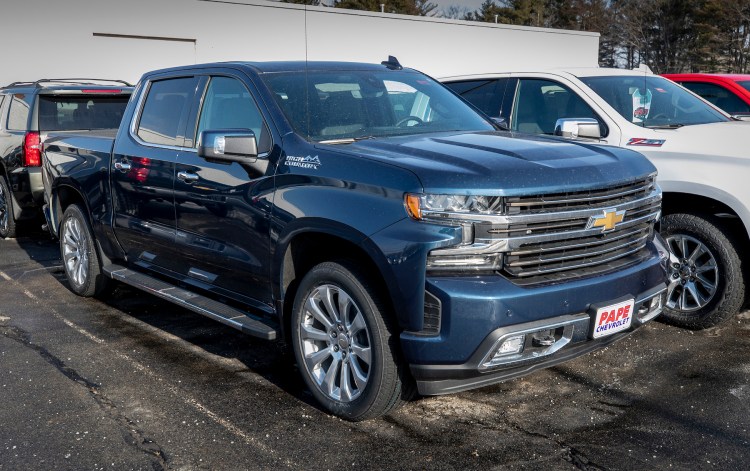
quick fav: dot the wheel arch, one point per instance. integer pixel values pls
(63, 196)
(300, 250)
(716, 203)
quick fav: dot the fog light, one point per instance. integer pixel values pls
(655, 303)
(511, 345)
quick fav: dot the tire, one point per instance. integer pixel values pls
(706, 280)
(346, 345)
(80, 257)
(7, 220)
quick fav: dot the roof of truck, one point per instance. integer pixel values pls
(282, 66)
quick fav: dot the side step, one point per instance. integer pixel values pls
(192, 301)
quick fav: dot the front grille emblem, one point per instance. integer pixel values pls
(607, 221)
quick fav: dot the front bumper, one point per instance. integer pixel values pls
(475, 312)
(572, 340)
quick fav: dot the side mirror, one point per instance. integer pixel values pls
(234, 145)
(501, 123)
(578, 128)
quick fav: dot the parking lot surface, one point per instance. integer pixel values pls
(136, 383)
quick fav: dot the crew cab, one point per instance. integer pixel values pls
(29, 110)
(730, 92)
(699, 150)
(367, 216)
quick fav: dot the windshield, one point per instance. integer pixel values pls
(744, 84)
(347, 105)
(651, 101)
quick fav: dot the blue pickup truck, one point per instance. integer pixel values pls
(366, 215)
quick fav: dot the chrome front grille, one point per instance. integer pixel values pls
(600, 198)
(548, 238)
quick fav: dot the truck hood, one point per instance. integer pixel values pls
(504, 164)
(726, 139)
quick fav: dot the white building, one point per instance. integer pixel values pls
(123, 39)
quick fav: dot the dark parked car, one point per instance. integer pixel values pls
(28, 111)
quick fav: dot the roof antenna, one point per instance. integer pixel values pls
(392, 63)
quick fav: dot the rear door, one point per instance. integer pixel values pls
(223, 208)
(143, 171)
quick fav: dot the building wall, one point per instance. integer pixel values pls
(123, 39)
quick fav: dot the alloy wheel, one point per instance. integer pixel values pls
(693, 273)
(75, 251)
(336, 343)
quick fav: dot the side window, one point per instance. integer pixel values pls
(2, 101)
(718, 96)
(487, 95)
(229, 105)
(540, 103)
(18, 116)
(162, 120)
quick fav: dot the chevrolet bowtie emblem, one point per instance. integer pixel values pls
(607, 221)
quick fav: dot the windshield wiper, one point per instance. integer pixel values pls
(666, 126)
(346, 140)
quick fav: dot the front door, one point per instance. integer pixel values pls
(223, 208)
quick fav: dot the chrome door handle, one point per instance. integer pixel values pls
(122, 165)
(187, 177)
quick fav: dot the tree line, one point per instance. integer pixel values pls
(670, 36)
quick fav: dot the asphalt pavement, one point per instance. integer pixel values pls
(135, 383)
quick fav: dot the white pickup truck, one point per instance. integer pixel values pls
(701, 153)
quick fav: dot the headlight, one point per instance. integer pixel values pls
(452, 207)
(463, 210)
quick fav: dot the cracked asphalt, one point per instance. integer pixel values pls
(136, 383)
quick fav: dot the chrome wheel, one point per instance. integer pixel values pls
(693, 273)
(336, 343)
(75, 251)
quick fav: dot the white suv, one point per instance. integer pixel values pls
(701, 153)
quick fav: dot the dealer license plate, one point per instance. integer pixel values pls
(613, 318)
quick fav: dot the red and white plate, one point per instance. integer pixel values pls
(613, 318)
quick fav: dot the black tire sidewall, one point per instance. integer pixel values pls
(342, 277)
(729, 296)
(10, 232)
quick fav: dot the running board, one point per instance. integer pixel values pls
(195, 302)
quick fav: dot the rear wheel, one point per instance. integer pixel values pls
(7, 221)
(706, 282)
(345, 344)
(80, 258)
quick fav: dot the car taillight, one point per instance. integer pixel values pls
(32, 150)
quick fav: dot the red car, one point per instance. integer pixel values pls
(731, 93)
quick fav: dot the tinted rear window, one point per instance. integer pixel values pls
(66, 113)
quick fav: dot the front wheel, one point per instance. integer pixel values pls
(80, 258)
(706, 282)
(345, 345)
